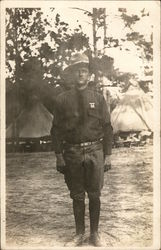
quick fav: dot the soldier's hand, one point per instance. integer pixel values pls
(107, 163)
(60, 164)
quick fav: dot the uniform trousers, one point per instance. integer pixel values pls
(84, 171)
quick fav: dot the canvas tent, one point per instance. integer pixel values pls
(134, 112)
(33, 122)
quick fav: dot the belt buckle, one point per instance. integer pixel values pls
(90, 143)
(84, 144)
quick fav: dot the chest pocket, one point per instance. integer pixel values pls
(94, 113)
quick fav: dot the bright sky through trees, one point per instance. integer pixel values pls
(126, 60)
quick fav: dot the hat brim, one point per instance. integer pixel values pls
(74, 66)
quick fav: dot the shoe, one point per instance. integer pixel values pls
(77, 241)
(94, 240)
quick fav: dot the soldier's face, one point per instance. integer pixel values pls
(81, 76)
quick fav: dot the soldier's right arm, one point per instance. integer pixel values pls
(56, 131)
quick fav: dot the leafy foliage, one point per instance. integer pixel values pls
(129, 20)
(37, 48)
(103, 64)
(111, 42)
(143, 45)
(32, 61)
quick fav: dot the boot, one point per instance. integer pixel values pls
(94, 240)
(76, 241)
(79, 215)
(94, 212)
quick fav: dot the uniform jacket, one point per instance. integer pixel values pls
(81, 116)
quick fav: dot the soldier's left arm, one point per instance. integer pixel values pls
(107, 130)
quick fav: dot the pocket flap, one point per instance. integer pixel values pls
(94, 112)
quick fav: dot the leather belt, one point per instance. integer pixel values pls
(85, 144)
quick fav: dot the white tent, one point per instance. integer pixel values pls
(134, 112)
(33, 122)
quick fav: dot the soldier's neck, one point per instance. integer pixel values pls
(83, 87)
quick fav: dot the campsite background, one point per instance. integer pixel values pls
(39, 42)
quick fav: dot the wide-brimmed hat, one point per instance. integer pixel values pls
(76, 60)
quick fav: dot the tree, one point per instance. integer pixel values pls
(24, 28)
(66, 41)
(143, 45)
(32, 62)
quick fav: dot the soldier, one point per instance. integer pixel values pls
(82, 137)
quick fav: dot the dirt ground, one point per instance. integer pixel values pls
(39, 210)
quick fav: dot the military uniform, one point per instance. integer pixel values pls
(82, 133)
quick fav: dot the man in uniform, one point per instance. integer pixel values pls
(82, 137)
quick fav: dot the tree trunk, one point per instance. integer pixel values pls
(94, 32)
(104, 30)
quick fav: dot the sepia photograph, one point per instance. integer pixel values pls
(80, 125)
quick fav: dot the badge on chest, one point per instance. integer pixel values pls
(92, 105)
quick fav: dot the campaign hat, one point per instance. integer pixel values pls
(76, 60)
